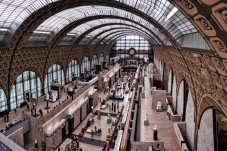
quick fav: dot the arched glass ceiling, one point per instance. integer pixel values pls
(163, 12)
(84, 27)
(14, 12)
(109, 29)
(112, 35)
(112, 31)
(69, 39)
(63, 18)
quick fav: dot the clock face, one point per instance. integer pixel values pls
(131, 51)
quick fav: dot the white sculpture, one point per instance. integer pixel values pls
(70, 89)
(146, 116)
(146, 119)
(155, 127)
(47, 96)
(159, 106)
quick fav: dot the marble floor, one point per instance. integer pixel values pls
(165, 128)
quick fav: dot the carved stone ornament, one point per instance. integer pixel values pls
(223, 14)
(205, 24)
(187, 4)
(220, 45)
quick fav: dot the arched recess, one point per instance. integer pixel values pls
(27, 86)
(210, 125)
(3, 100)
(165, 78)
(174, 92)
(85, 66)
(94, 61)
(161, 68)
(206, 131)
(107, 57)
(55, 74)
(182, 99)
(101, 59)
(220, 133)
(190, 120)
(170, 81)
(73, 70)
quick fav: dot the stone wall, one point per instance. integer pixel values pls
(18, 137)
(180, 100)
(206, 78)
(37, 60)
(158, 95)
(174, 93)
(190, 120)
(205, 132)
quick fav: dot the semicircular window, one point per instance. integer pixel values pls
(26, 87)
(141, 46)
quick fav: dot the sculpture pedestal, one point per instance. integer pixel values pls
(109, 120)
(155, 136)
(98, 114)
(143, 94)
(159, 109)
(146, 122)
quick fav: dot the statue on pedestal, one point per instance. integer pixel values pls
(159, 106)
(155, 133)
(146, 115)
(109, 120)
(146, 123)
(47, 96)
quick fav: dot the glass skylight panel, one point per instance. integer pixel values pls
(60, 20)
(14, 12)
(171, 13)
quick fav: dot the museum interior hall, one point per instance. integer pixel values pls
(113, 75)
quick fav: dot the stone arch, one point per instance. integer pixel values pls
(77, 69)
(29, 68)
(207, 101)
(55, 62)
(2, 87)
(182, 98)
(47, 79)
(26, 86)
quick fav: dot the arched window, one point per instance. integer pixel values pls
(85, 66)
(27, 82)
(94, 61)
(101, 59)
(107, 58)
(142, 46)
(73, 70)
(55, 73)
(3, 100)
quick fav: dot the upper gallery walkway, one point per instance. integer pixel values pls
(165, 127)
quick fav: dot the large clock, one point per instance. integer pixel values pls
(132, 51)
